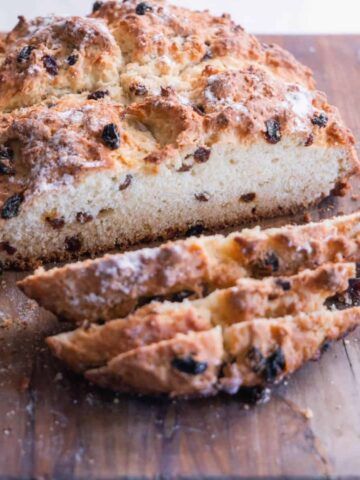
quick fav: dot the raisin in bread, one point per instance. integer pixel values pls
(144, 119)
(110, 287)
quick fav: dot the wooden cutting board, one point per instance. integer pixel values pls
(54, 425)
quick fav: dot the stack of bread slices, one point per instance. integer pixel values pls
(209, 314)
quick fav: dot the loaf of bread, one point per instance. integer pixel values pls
(145, 119)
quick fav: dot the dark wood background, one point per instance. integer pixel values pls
(53, 425)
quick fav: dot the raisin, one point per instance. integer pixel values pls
(254, 395)
(340, 189)
(202, 197)
(256, 360)
(320, 120)
(6, 152)
(138, 89)
(142, 8)
(126, 183)
(6, 247)
(310, 140)
(6, 168)
(97, 6)
(111, 136)
(267, 266)
(272, 262)
(72, 59)
(284, 284)
(326, 345)
(199, 109)
(336, 302)
(189, 365)
(73, 244)
(248, 197)
(195, 230)
(98, 94)
(202, 155)
(222, 120)
(83, 217)
(354, 291)
(273, 131)
(50, 65)
(185, 167)
(56, 223)
(275, 365)
(6, 158)
(25, 53)
(11, 207)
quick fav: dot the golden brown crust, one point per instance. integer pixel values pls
(92, 346)
(123, 279)
(196, 264)
(189, 37)
(268, 350)
(68, 55)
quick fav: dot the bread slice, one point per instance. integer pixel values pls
(94, 345)
(256, 353)
(187, 365)
(146, 119)
(110, 287)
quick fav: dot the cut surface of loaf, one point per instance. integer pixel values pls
(112, 286)
(94, 345)
(145, 119)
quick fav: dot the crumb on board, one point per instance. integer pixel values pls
(308, 413)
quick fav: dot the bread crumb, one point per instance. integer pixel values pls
(58, 377)
(308, 413)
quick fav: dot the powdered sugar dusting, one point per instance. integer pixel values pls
(300, 102)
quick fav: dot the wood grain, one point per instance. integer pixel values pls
(53, 425)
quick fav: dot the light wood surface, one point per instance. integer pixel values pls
(53, 425)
